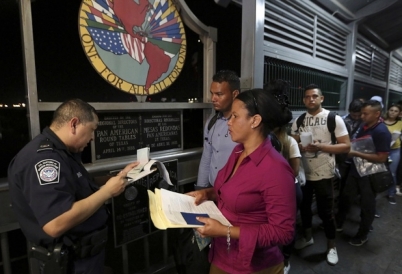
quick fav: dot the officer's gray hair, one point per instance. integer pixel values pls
(73, 108)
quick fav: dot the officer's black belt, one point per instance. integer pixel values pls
(51, 262)
(88, 245)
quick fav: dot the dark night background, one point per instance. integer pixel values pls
(63, 71)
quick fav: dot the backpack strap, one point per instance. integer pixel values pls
(299, 121)
(331, 124)
(213, 121)
(354, 132)
(275, 142)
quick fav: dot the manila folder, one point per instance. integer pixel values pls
(175, 210)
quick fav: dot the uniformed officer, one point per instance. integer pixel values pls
(54, 197)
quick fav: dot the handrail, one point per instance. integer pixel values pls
(99, 106)
(117, 163)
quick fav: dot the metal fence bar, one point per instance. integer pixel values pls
(299, 77)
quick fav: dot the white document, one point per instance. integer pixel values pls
(306, 138)
(134, 175)
(395, 135)
(142, 158)
(175, 204)
(145, 167)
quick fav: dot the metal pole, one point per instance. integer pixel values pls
(146, 252)
(252, 44)
(5, 255)
(351, 56)
(125, 258)
(29, 67)
(165, 247)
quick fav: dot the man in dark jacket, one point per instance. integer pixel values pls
(54, 197)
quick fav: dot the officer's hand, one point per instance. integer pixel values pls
(115, 185)
(129, 167)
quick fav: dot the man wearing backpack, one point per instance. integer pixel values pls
(319, 164)
(218, 144)
(360, 185)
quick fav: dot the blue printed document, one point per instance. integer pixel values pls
(191, 218)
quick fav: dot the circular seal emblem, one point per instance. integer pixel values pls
(48, 174)
(138, 46)
(130, 193)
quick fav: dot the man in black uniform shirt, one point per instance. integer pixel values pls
(53, 195)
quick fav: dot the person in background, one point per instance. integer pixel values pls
(290, 151)
(355, 184)
(353, 122)
(218, 145)
(395, 128)
(399, 168)
(319, 165)
(379, 99)
(54, 197)
(255, 191)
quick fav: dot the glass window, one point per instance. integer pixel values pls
(394, 97)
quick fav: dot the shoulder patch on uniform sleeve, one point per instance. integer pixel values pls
(48, 171)
(45, 145)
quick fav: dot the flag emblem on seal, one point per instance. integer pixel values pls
(48, 171)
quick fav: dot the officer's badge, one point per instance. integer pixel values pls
(48, 171)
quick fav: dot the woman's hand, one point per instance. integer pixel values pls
(200, 195)
(212, 228)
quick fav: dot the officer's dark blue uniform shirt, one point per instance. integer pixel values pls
(45, 180)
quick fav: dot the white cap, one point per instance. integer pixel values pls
(379, 99)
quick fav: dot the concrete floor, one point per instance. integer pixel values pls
(381, 254)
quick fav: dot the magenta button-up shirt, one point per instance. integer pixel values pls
(260, 198)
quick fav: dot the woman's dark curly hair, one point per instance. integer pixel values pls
(270, 103)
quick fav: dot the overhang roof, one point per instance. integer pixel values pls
(380, 21)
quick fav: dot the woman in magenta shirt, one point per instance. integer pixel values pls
(254, 191)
